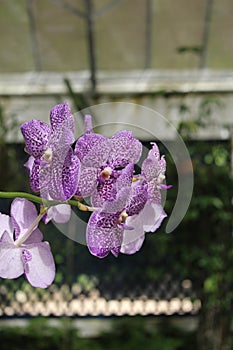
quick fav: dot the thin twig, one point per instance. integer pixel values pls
(206, 32)
(91, 44)
(69, 8)
(106, 8)
(148, 34)
(33, 34)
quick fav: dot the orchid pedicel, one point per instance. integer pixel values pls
(67, 172)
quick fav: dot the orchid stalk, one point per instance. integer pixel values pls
(46, 202)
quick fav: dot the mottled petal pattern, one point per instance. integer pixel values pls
(87, 181)
(125, 149)
(104, 192)
(63, 175)
(153, 165)
(35, 178)
(117, 237)
(70, 175)
(150, 169)
(137, 199)
(93, 149)
(61, 115)
(61, 136)
(36, 135)
(101, 232)
(154, 152)
(154, 193)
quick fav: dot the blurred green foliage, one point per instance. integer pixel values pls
(126, 334)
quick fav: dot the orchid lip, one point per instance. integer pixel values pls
(161, 177)
(122, 218)
(105, 174)
(48, 155)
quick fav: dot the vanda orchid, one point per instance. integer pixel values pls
(66, 172)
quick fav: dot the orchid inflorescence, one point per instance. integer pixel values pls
(124, 204)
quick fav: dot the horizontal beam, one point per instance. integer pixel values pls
(153, 103)
(118, 83)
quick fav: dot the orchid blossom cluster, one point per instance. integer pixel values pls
(95, 169)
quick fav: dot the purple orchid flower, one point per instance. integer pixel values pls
(33, 257)
(101, 159)
(152, 215)
(153, 171)
(106, 226)
(54, 167)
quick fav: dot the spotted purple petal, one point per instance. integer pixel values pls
(70, 175)
(154, 193)
(107, 190)
(63, 174)
(39, 175)
(35, 177)
(103, 192)
(36, 135)
(153, 165)
(150, 169)
(93, 149)
(154, 152)
(125, 149)
(103, 234)
(117, 237)
(137, 199)
(60, 116)
(61, 136)
(87, 181)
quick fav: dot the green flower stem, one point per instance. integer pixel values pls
(45, 202)
(28, 196)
